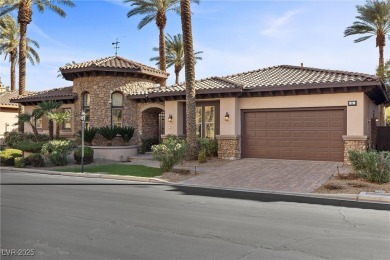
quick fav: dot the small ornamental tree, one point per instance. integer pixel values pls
(169, 153)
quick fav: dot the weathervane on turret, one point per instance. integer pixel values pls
(116, 46)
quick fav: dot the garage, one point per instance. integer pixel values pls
(295, 134)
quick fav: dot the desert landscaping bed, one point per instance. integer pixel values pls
(351, 184)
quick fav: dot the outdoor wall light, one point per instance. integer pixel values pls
(227, 116)
(170, 117)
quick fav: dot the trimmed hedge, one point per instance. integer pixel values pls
(11, 139)
(28, 146)
(35, 159)
(147, 143)
(88, 155)
(19, 162)
(7, 157)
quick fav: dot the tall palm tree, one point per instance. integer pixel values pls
(45, 108)
(155, 10)
(59, 117)
(24, 8)
(175, 54)
(189, 61)
(9, 41)
(373, 20)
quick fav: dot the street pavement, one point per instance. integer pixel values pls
(62, 217)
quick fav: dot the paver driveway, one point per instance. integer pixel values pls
(268, 174)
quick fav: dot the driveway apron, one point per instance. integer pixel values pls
(268, 174)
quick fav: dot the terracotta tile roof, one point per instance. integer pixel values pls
(52, 94)
(5, 98)
(277, 76)
(114, 63)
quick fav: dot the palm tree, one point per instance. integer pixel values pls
(189, 61)
(24, 8)
(45, 108)
(58, 118)
(30, 119)
(9, 41)
(175, 54)
(59, 75)
(373, 20)
(155, 10)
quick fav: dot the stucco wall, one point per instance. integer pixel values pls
(63, 133)
(7, 116)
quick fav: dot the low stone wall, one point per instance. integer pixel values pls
(228, 147)
(114, 153)
(358, 143)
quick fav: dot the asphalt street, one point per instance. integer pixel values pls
(60, 217)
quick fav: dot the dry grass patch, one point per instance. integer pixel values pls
(350, 184)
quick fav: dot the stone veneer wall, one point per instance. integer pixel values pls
(148, 119)
(100, 89)
(351, 143)
(228, 147)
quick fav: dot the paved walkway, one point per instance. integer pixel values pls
(268, 174)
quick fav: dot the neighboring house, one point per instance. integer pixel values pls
(281, 112)
(8, 112)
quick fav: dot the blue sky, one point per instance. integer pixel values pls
(235, 36)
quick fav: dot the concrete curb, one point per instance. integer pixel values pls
(90, 175)
(367, 199)
(339, 200)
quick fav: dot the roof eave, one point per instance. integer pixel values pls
(40, 99)
(69, 73)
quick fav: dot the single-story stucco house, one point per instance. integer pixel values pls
(8, 110)
(284, 112)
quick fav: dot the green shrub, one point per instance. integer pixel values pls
(170, 153)
(8, 156)
(19, 162)
(58, 150)
(202, 158)
(126, 132)
(28, 146)
(12, 138)
(372, 166)
(209, 145)
(89, 134)
(147, 143)
(35, 159)
(108, 132)
(88, 155)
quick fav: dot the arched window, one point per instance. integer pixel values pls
(116, 109)
(86, 107)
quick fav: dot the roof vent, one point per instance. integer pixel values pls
(301, 65)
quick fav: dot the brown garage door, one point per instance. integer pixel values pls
(314, 134)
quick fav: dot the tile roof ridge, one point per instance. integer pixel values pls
(343, 72)
(225, 80)
(251, 71)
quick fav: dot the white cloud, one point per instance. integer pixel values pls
(118, 3)
(277, 25)
(36, 29)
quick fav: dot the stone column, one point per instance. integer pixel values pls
(358, 143)
(229, 147)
